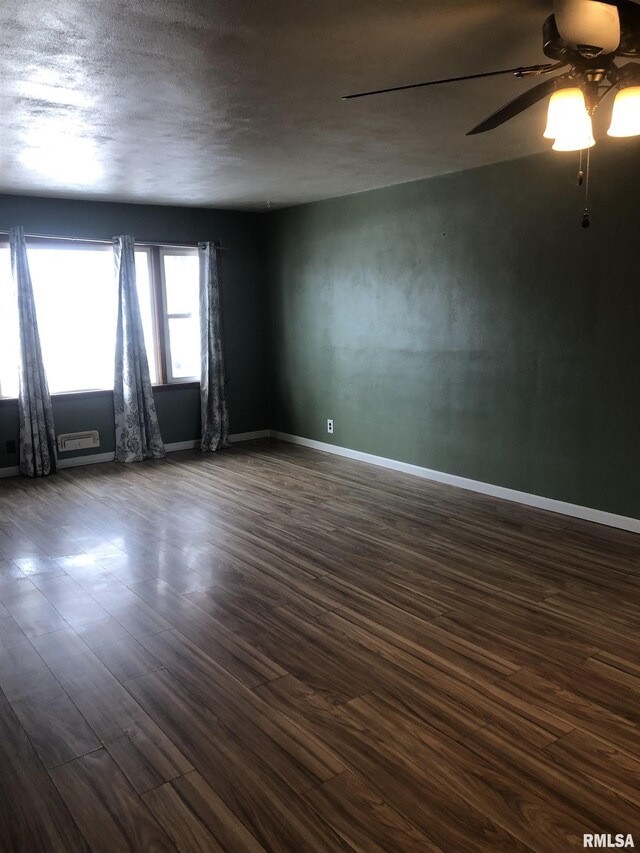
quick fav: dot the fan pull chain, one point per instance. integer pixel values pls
(580, 172)
(585, 216)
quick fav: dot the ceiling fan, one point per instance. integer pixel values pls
(584, 38)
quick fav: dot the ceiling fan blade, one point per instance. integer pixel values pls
(518, 105)
(521, 71)
(629, 72)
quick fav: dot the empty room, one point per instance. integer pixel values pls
(319, 426)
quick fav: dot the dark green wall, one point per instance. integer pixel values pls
(244, 301)
(469, 324)
(8, 432)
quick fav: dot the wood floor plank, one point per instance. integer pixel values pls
(143, 752)
(33, 612)
(409, 789)
(573, 709)
(14, 545)
(56, 728)
(460, 704)
(313, 655)
(599, 684)
(622, 665)
(80, 610)
(523, 625)
(23, 672)
(295, 756)
(392, 621)
(39, 566)
(9, 628)
(57, 648)
(268, 808)
(601, 762)
(245, 662)
(126, 658)
(352, 808)
(556, 780)
(529, 817)
(117, 600)
(32, 814)
(196, 819)
(106, 808)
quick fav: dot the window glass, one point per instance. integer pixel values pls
(9, 343)
(181, 280)
(76, 298)
(184, 345)
(145, 298)
(76, 302)
(181, 283)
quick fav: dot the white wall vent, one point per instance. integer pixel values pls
(78, 440)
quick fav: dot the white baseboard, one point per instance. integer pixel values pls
(250, 436)
(182, 445)
(96, 458)
(9, 472)
(234, 439)
(537, 501)
(91, 459)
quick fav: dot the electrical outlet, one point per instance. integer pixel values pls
(330, 426)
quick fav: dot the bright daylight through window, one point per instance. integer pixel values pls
(180, 280)
(76, 299)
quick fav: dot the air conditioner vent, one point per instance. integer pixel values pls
(78, 440)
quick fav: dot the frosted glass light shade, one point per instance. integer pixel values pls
(625, 118)
(568, 121)
(567, 109)
(576, 138)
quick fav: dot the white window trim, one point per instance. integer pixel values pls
(155, 348)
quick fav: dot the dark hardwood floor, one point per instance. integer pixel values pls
(274, 649)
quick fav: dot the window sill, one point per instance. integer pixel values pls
(172, 386)
(103, 392)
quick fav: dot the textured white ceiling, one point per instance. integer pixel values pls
(236, 103)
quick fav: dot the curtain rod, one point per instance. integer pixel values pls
(216, 243)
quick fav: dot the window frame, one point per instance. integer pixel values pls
(148, 251)
(190, 251)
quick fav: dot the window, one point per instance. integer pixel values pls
(9, 343)
(180, 270)
(76, 299)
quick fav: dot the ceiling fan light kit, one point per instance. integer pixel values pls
(583, 38)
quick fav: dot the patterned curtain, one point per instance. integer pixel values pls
(213, 402)
(137, 430)
(37, 434)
